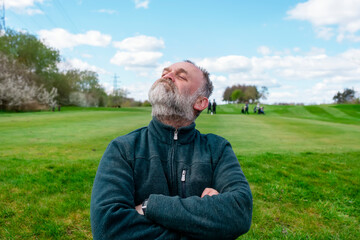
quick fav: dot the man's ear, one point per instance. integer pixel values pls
(201, 103)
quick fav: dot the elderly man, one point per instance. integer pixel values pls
(166, 180)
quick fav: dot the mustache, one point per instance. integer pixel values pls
(168, 81)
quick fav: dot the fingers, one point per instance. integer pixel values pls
(209, 192)
(139, 209)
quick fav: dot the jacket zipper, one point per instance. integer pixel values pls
(174, 182)
(183, 179)
(176, 135)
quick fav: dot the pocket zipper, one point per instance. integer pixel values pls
(183, 179)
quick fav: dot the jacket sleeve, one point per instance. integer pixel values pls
(223, 216)
(112, 210)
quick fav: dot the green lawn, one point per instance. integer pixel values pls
(302, 162)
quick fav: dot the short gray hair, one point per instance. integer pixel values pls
(207, 88)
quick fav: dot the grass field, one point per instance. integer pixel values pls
(302, 162)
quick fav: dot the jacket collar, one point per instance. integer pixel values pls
(166, 133)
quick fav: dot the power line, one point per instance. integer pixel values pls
(24, 24)
(58, 5)
(64, 12)
(46, 15)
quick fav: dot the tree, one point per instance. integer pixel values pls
(347, 96)
(29, 76)
(227, 94)
(264, 92)
(251, 94)
(85, 89)
(117, 98)
(242, 93)
(237, 95)
(28, 70)
(18, 92)
(29, 51)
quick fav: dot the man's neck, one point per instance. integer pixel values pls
(174, 121)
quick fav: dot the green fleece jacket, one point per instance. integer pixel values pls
(171, 168)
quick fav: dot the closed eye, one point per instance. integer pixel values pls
(182, 76)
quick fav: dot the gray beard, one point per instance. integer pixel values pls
(168, 103)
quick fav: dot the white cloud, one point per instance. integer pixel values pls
(108, 11)
(314, 51)
(139, 91)
(85, 55)
(33, 11)
(142, 3)
(324, 32)
(218, 78)
(325, 15)
(140, 43)
(264, 50)
(230, 63)
(76, 63)
(311, 77)
(131, 60)
(21, 3)
(159, 69)
(61, 38)
(24, 6)
(139, 54)
(352, 55)
(253, 79)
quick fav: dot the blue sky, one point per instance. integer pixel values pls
(303, 51)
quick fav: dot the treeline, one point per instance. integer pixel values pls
(244, 93)
(30, 78)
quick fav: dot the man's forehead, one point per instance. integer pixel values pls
(184, 66)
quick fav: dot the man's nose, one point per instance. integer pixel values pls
(170, 75)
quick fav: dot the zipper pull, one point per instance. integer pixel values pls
(183, 175)
(176, 134)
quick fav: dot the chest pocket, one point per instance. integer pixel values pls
(197, 177)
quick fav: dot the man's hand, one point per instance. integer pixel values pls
(209, 192)
(139, 209)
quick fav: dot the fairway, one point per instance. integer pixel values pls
(302, 163)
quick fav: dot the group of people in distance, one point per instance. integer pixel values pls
(257, 109)
(212, 107)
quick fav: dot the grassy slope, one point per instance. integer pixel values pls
(302, 163)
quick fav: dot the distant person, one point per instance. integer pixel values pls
(247, 108)
(209, 108)
(214, 106)
(261, 111)
(255, 110)
(142, 192)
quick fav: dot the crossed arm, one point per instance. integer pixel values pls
(222, 212)
(206, 192)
